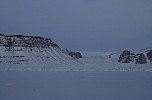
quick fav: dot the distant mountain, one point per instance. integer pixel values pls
(32, 51)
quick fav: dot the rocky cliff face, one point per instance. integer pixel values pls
(25, 41)
(149, 55)
(134, 57)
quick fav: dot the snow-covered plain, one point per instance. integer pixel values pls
(52, 59)
(75, 85)
(94, 77)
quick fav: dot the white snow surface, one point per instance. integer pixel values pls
(75, 85)
(94, 77)
(37, 59)
(53, 59)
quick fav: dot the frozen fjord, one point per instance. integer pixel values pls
(75, 85)
(96, 78)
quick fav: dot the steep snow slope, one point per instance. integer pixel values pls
(36, 57)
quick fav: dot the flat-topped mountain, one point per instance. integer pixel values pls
(33, 51)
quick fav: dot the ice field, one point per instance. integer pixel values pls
(95, 77)
(75, 85)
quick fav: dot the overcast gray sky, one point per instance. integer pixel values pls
(81, 25)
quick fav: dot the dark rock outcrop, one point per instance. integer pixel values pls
(10, 41)
(75, 55)
(149, 55)
(140, 59)
(131, 57)
(126, 57)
